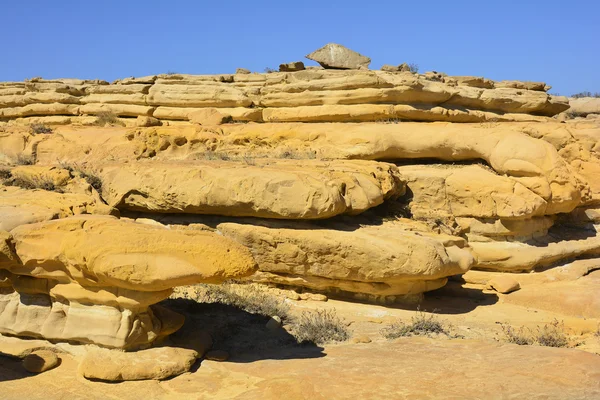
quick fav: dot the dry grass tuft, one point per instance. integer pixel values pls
(550, 335)
(320, 327)
(35, 182)
(421, 324)
(520, 336)
(252, 298)
(107, 118)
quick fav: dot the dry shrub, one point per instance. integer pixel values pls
(23, 159)
(520, 336)
(320, 327)
(252, 298)
(35, 182)
(91, 176)
(550, 335)
(40, 129)
(5, 174)
(421, 324)
(107, 118)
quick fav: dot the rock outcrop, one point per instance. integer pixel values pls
(94, 279)
(293, 95)
(316, 178)
(307, 189)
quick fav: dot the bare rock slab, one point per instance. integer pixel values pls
(157, 363)
(336, 56)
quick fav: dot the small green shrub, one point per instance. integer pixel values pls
(107, 118)
(421, 324)
(40, 129)
(320, 327)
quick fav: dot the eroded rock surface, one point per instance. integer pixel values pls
(283, 189)
(95, 279)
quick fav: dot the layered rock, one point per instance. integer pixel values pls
(372, 262)
(387, 95)
(285, 189)
(95, 279)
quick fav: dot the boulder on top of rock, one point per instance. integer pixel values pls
(242, 71)
(291, 67)
(336, 56)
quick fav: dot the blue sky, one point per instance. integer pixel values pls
(553, 41)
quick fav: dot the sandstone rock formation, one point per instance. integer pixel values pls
(312, 178)
(293, 95)
(94, 279)
(283, 190)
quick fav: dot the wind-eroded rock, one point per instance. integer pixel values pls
(93, 279)
(469, 191)
(307, 189)
(378, 261)
(532, 162)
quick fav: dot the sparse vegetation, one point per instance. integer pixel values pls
(252, 298)
(550, 335)
(23, 159)
(107, 118)
(320, 327)
(290, 154)
(89, 175)
(413, 67)
(422, 324)
(586, 94)
(171, 73)
(35, 182)
(214, 155)
(269, 70)
(5, 174)
(37, 129)
(294, 154)
(515, 336)
(92, 178)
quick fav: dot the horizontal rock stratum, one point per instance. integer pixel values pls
(286, 189)
(300, 96)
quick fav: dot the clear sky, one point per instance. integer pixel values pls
(555, 41)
